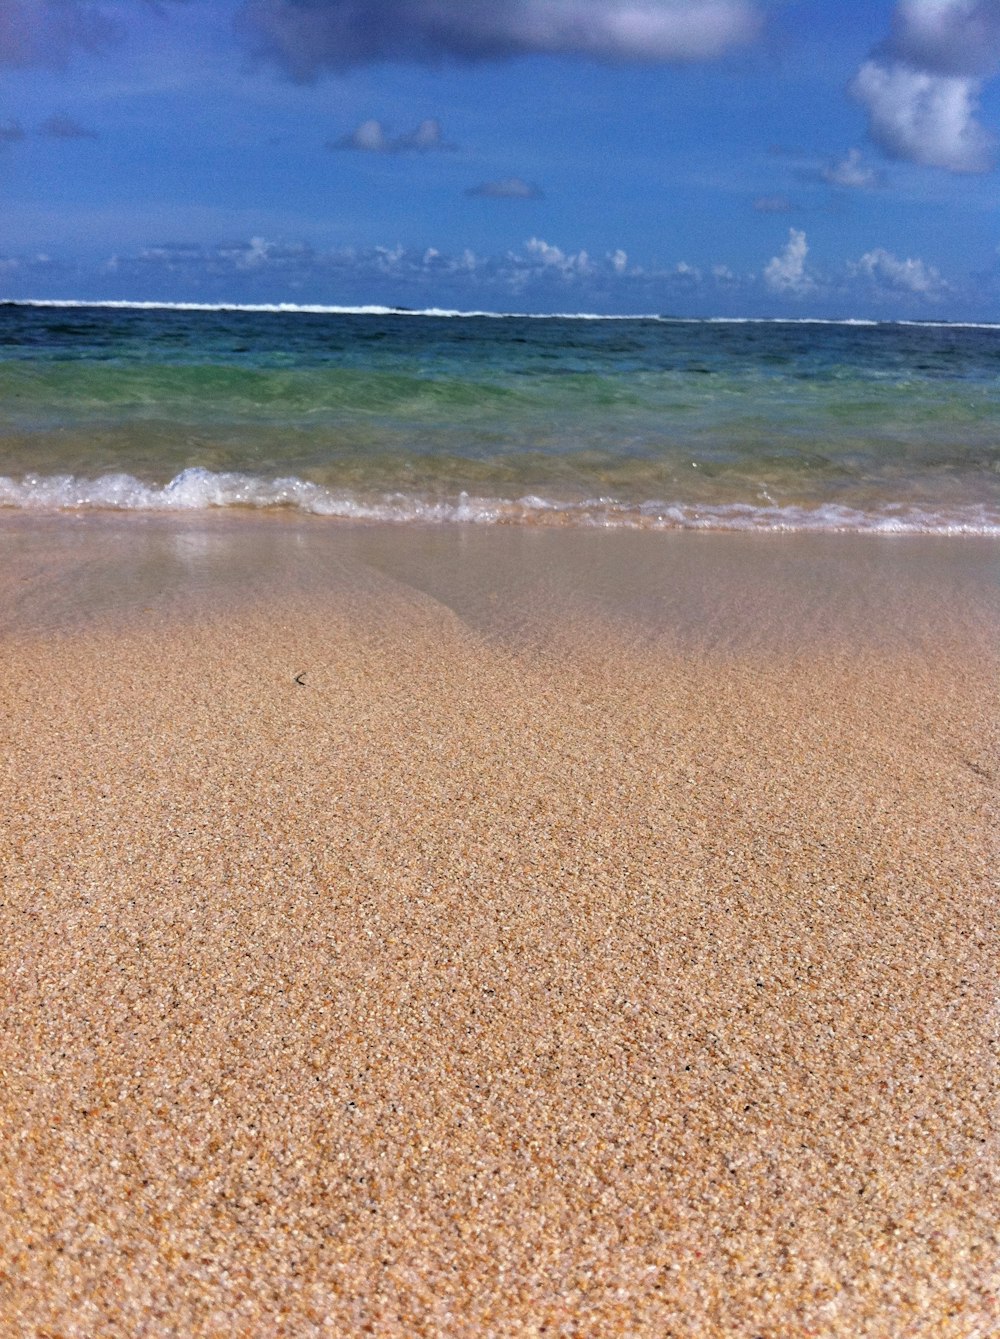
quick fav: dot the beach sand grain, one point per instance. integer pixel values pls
(394, 947)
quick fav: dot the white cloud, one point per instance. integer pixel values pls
(921, 87)
(884, 270)
(372, 137)
(556, 259)
(255, 254)
(369, 137)
(538, 276)
(772, 204)
(427, 136)
(306, 37)
(507, 188)
(786, 273)
(851, 173)
(929, 119)
(387, 258)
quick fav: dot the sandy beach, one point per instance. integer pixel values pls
(496, 933)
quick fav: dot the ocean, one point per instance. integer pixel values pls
(632, 423)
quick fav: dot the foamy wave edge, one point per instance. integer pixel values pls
(374, 309)
(202, 490)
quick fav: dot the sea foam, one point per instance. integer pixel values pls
(199, 489)
(372, 309)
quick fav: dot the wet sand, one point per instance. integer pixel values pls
(493, 933)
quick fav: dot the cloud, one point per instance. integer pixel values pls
(538, 276)
(921, 87)
(772, 204)
(48, 32)
(849, 172)
(64, 127)
(507, 188)
(786, 273)
(882, 269)
(928, 119)
(11, 132)
(306, 37)
(552, 258)
(947, 36)
(372, 137)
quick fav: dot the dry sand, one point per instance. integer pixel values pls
(550, 958)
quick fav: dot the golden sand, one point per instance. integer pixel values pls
(370, 968)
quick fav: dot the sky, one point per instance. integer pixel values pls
(788, 158)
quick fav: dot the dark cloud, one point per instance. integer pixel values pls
(373, 137)
(306, 37)
(64, 127)
(10, 132)
(956, 37)
(47, 32)
(507, 188)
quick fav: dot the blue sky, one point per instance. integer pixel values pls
(699, 157)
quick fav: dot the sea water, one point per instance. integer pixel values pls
(643, 423)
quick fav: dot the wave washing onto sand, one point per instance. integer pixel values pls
(200, 490)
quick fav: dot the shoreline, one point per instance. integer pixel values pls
(80, 569)
(423, 931)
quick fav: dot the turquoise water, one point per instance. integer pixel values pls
(643, 422)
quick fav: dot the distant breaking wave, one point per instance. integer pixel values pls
(201, 490)
(315, 309)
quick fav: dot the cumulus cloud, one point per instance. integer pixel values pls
(883, 270)
(537, 276)
(64, 127)
(851, 173)
(373, 137)
(929, 119)
(507, 188)
(553, 258)
(921, 87)
(305, 37)
(786, 272)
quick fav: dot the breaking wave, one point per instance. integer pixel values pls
(200, 489)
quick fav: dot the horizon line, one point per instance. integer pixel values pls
(379, 309)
